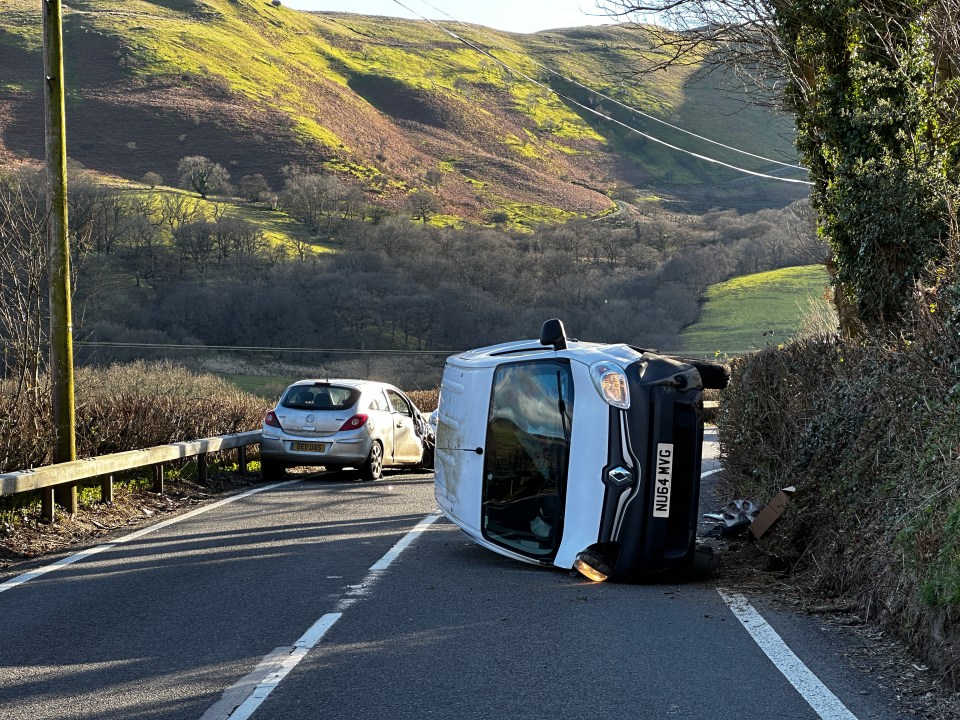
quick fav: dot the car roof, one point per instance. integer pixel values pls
(343, 382)
(585, 352)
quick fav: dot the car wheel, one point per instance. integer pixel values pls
(372, 469)
(270, 469)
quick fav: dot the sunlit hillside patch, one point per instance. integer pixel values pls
(23, 16)
(755, 311)
(379, 101)
(527, 216)
(278, 228)
(549, 115)
(445, 221)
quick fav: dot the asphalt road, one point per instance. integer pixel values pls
(294, 602)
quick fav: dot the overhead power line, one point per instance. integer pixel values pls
(251, 348)
(629, 108)
(593, 111)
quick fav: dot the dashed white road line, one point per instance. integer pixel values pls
(811, 689)
(70, 560)
(242, 698)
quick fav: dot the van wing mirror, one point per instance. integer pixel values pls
(552, 333)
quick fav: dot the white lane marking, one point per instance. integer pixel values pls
(818, 696)
(26, 577)
(252, 690)
(708, 473)
(241, 699)
(392, 554)
(356, 592)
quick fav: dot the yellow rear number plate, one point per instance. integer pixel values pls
(309, 447)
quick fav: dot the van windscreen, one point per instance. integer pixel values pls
(526, 458)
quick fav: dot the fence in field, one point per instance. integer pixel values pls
(105, 466)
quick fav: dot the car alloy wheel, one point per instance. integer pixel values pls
(373, 468)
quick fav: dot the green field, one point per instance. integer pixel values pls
(754, 311)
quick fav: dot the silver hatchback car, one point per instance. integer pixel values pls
(345, 423)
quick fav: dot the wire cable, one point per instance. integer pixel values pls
(593, 111)
(603, 95)
(251, 348)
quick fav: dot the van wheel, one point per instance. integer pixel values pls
(715, 376)
(372, 469)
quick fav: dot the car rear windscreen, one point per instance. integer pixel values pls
(320, 397)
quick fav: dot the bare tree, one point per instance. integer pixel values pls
(202, 175)
(738, 36)
(253, 188)
(175, 210)
(23, 278)
(311, 198)
(195, 242)
(423, 205)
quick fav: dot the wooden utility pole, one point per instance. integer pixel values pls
(61, 324)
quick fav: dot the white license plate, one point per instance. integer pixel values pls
(662, 480)
(309, 447)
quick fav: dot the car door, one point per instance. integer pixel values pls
(407, 447)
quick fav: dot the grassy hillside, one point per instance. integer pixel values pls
(381, 101)
(756, 311)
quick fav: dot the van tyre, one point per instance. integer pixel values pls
(714, 376)
(372, 469)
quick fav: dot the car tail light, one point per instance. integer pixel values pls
(271, 419)
(357, 421)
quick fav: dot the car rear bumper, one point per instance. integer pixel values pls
(337, 453)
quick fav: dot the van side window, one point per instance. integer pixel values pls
(526, 458)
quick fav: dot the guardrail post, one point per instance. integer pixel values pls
(202, 468)
(158, 478)
(47, 510)
(106, 489)
(242, 459)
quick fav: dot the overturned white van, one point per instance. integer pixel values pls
(574, 454)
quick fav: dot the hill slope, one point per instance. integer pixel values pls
(385, 101)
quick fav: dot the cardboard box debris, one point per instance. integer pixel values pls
(770, 512)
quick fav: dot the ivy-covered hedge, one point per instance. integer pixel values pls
(870, 436)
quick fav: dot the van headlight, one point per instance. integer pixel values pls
(593, 564)
(611, 382)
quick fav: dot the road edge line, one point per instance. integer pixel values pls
(817, 695)
(275, 666)
(83, 554)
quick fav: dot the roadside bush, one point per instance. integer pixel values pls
(868, 435)
(426, 400)
(125, 407)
